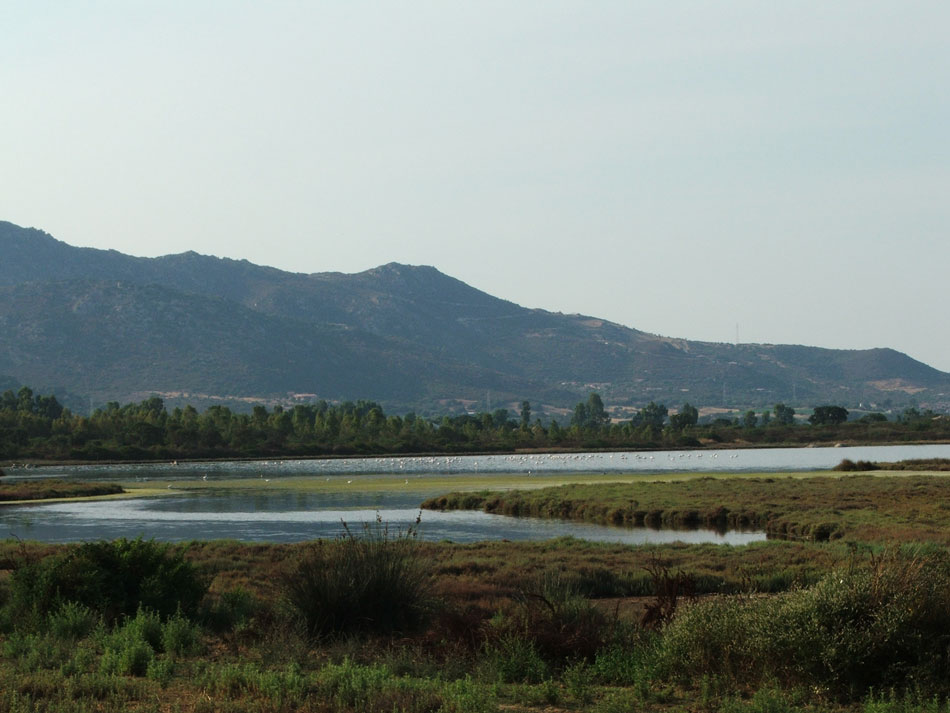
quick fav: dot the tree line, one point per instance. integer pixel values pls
(38, 427)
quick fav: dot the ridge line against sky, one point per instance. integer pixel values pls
(680, 167)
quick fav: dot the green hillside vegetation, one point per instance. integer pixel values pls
(39, 427)
(114, 327)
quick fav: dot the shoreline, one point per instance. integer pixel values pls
(28, 464)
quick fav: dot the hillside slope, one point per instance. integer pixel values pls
(117, 326)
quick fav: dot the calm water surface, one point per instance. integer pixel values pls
(726, 460)
(295, 517)
(290, 516)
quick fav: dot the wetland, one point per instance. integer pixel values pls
(845, 611)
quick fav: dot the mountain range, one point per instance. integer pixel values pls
(202, 329)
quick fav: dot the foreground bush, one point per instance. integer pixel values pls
(886, 624)
(374, 582)
(113, 579)
(553, 621)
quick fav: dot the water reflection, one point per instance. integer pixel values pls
(287, 516)
(294, 517)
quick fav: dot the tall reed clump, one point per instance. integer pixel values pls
(884, 623)
(374, 581)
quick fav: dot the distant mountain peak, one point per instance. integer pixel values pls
(104, 323)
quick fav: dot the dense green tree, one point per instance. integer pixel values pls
(785, 415)
(828, 415)
(590, 413)
(525, 414)
(686, 416)
(653, 415)
(596, 414)
(36, 426)
(580, 417)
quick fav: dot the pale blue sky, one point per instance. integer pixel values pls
(678, 167)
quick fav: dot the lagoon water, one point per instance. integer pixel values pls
(290, 516)
(272, 518)
(725, 460)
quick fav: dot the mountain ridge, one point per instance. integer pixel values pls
(411, 335)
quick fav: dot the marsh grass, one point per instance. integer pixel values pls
(820, 508)
(374, 581)
(53, 488)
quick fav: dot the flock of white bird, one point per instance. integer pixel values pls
(528, 463)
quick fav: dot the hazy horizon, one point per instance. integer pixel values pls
(678, 168)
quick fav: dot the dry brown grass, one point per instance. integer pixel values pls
(50, 489)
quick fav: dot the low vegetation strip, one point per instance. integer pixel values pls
(860, 508)
(930, 465)
(46, 489)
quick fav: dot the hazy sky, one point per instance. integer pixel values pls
(678, 167)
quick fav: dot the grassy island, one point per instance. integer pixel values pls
(52, 488)
(861, 508)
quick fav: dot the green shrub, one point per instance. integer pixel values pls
(232, 611)
(81, 662)
(114, 579)
(578, 679)
(883, 624)
(626, 664)
(72, 621)
(374, 582)
(283, 688)
(127, 657)
(160, 670)
(350, 685)
(180, 636)
(766, 700)
(908, 702)
(467, 696)
(18, 645)
(849, 466)
(227, 680)
(515, 659)
(560, 623)
(623, 701)
(130, 648)
(145, 626)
